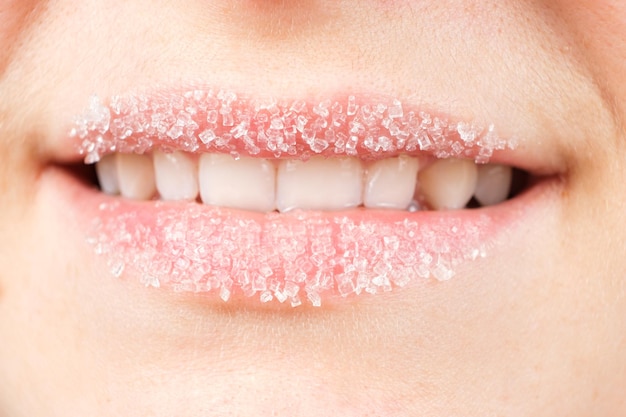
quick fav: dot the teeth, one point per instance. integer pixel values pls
(494, 184)
(176, 176)
(247, 183)
(106, 169)
(448, 183)
(319, 184)
(390, 183)
(136, 176)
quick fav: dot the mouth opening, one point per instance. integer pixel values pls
(399, 183)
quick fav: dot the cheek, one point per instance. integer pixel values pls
(16, 17)
(600, 24)
(599, 27)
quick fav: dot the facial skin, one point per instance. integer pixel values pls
(534, 330)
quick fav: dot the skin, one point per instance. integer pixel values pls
(538, 330)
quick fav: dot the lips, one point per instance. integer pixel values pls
(315, 248)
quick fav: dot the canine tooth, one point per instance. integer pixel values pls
(319, 184)
(136, 176)
(494, 184)
(390, 183)
(448, 183)
(106, 170)
(176, 176)
(247, 183)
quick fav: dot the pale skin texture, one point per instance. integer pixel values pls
(539, 330)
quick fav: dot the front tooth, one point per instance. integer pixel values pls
(176, 177)
(390, 183)
(448, 183)
(106, 170)
(494, 184)
(247, 183)
(319, 184)
(136, 176)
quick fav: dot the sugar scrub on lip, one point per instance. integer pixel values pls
(289, 258)
(205, 120)
(293, 257)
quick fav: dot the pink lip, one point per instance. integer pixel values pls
(204, 120)
(293, 257)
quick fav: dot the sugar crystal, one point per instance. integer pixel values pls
(175, 132)
(280, 296)
(296, 302)
(442, 272)
(314, 298)
(116, 267)
(352, 106)
(266, 297)
(298, 106)
(395, 111)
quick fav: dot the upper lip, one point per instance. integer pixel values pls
(113, 125)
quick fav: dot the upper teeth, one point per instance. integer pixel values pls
(176, 176)
(494, 184)
(247, 183)
(390, 183)
(449, 183)
(317, 184)
(135, 176)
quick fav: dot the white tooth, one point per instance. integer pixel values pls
(176, 176)
(494, 184)
(319, 184)
(136, 176)
(390, 183)
(247, 183)
(106, 170)
(448, 183)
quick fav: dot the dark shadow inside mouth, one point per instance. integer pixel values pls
(85, 173)
(520, 183)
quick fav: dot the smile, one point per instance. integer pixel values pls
(295, 200)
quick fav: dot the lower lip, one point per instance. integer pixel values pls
(294, 258)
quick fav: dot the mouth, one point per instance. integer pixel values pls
(264, 200)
